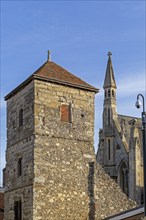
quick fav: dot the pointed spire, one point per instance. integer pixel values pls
(109, 77)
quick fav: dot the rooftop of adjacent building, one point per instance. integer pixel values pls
(131, 214)
(52, 72)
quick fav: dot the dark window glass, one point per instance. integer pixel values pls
(109, 149)
(21, 117)
(20, 167)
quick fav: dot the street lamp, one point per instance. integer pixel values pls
(138, 104)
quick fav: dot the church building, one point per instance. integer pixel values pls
(120, 142)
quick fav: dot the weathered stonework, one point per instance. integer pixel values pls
(20, 141)
(60, 179)
(62, 152)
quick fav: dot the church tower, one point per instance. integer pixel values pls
(106, 152)
(109, 113)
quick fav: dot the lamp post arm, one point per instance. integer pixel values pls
(142, 101)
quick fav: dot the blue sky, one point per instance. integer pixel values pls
(79, 35)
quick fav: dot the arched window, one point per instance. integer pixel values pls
(108, 115)
(105, 93)
(113, 93)
(109, 93)
(123, 172)
(109, 149)
(21, 117)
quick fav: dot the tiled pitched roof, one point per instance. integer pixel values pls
(52, 72)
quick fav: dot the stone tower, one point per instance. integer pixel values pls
(51, 171)
(109, 114)
(50, 130)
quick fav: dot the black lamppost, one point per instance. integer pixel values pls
(138, 105)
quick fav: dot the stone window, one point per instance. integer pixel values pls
(109, 93)
(20, 166)
(66, 113)
(21, 117)
(105, 94)
(18, 210)
(113, 93)
(108, 116)
(109, 149)
(123, 171)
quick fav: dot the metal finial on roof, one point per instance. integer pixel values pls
(49, 55)
(109, 54)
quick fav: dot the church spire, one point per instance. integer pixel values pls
(109, 77)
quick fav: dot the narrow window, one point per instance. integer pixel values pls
(105, 93)
(18, 210)
(21, 117)
(109, 93)
(112, 93)
(20, 167)
(108, 115)
(109, 149)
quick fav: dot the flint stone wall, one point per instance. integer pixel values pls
(60, 180)
(20, 141)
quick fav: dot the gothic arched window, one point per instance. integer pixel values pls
(109, 149)
(108, 116)
(21, 117)
(123, 176)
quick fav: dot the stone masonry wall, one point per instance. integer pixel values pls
(20, 141)
(62, 152)
(108, 197)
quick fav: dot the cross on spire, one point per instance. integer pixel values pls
(49, 55)
(109, 54)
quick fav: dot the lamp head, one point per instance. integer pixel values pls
(138, 103)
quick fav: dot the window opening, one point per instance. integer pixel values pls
(124, 177)
(18, 210)
(108, 116)
(109, 149)
(112, 93)
(109, 93)
(21, 117)
(105, 93)
(20, 167)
